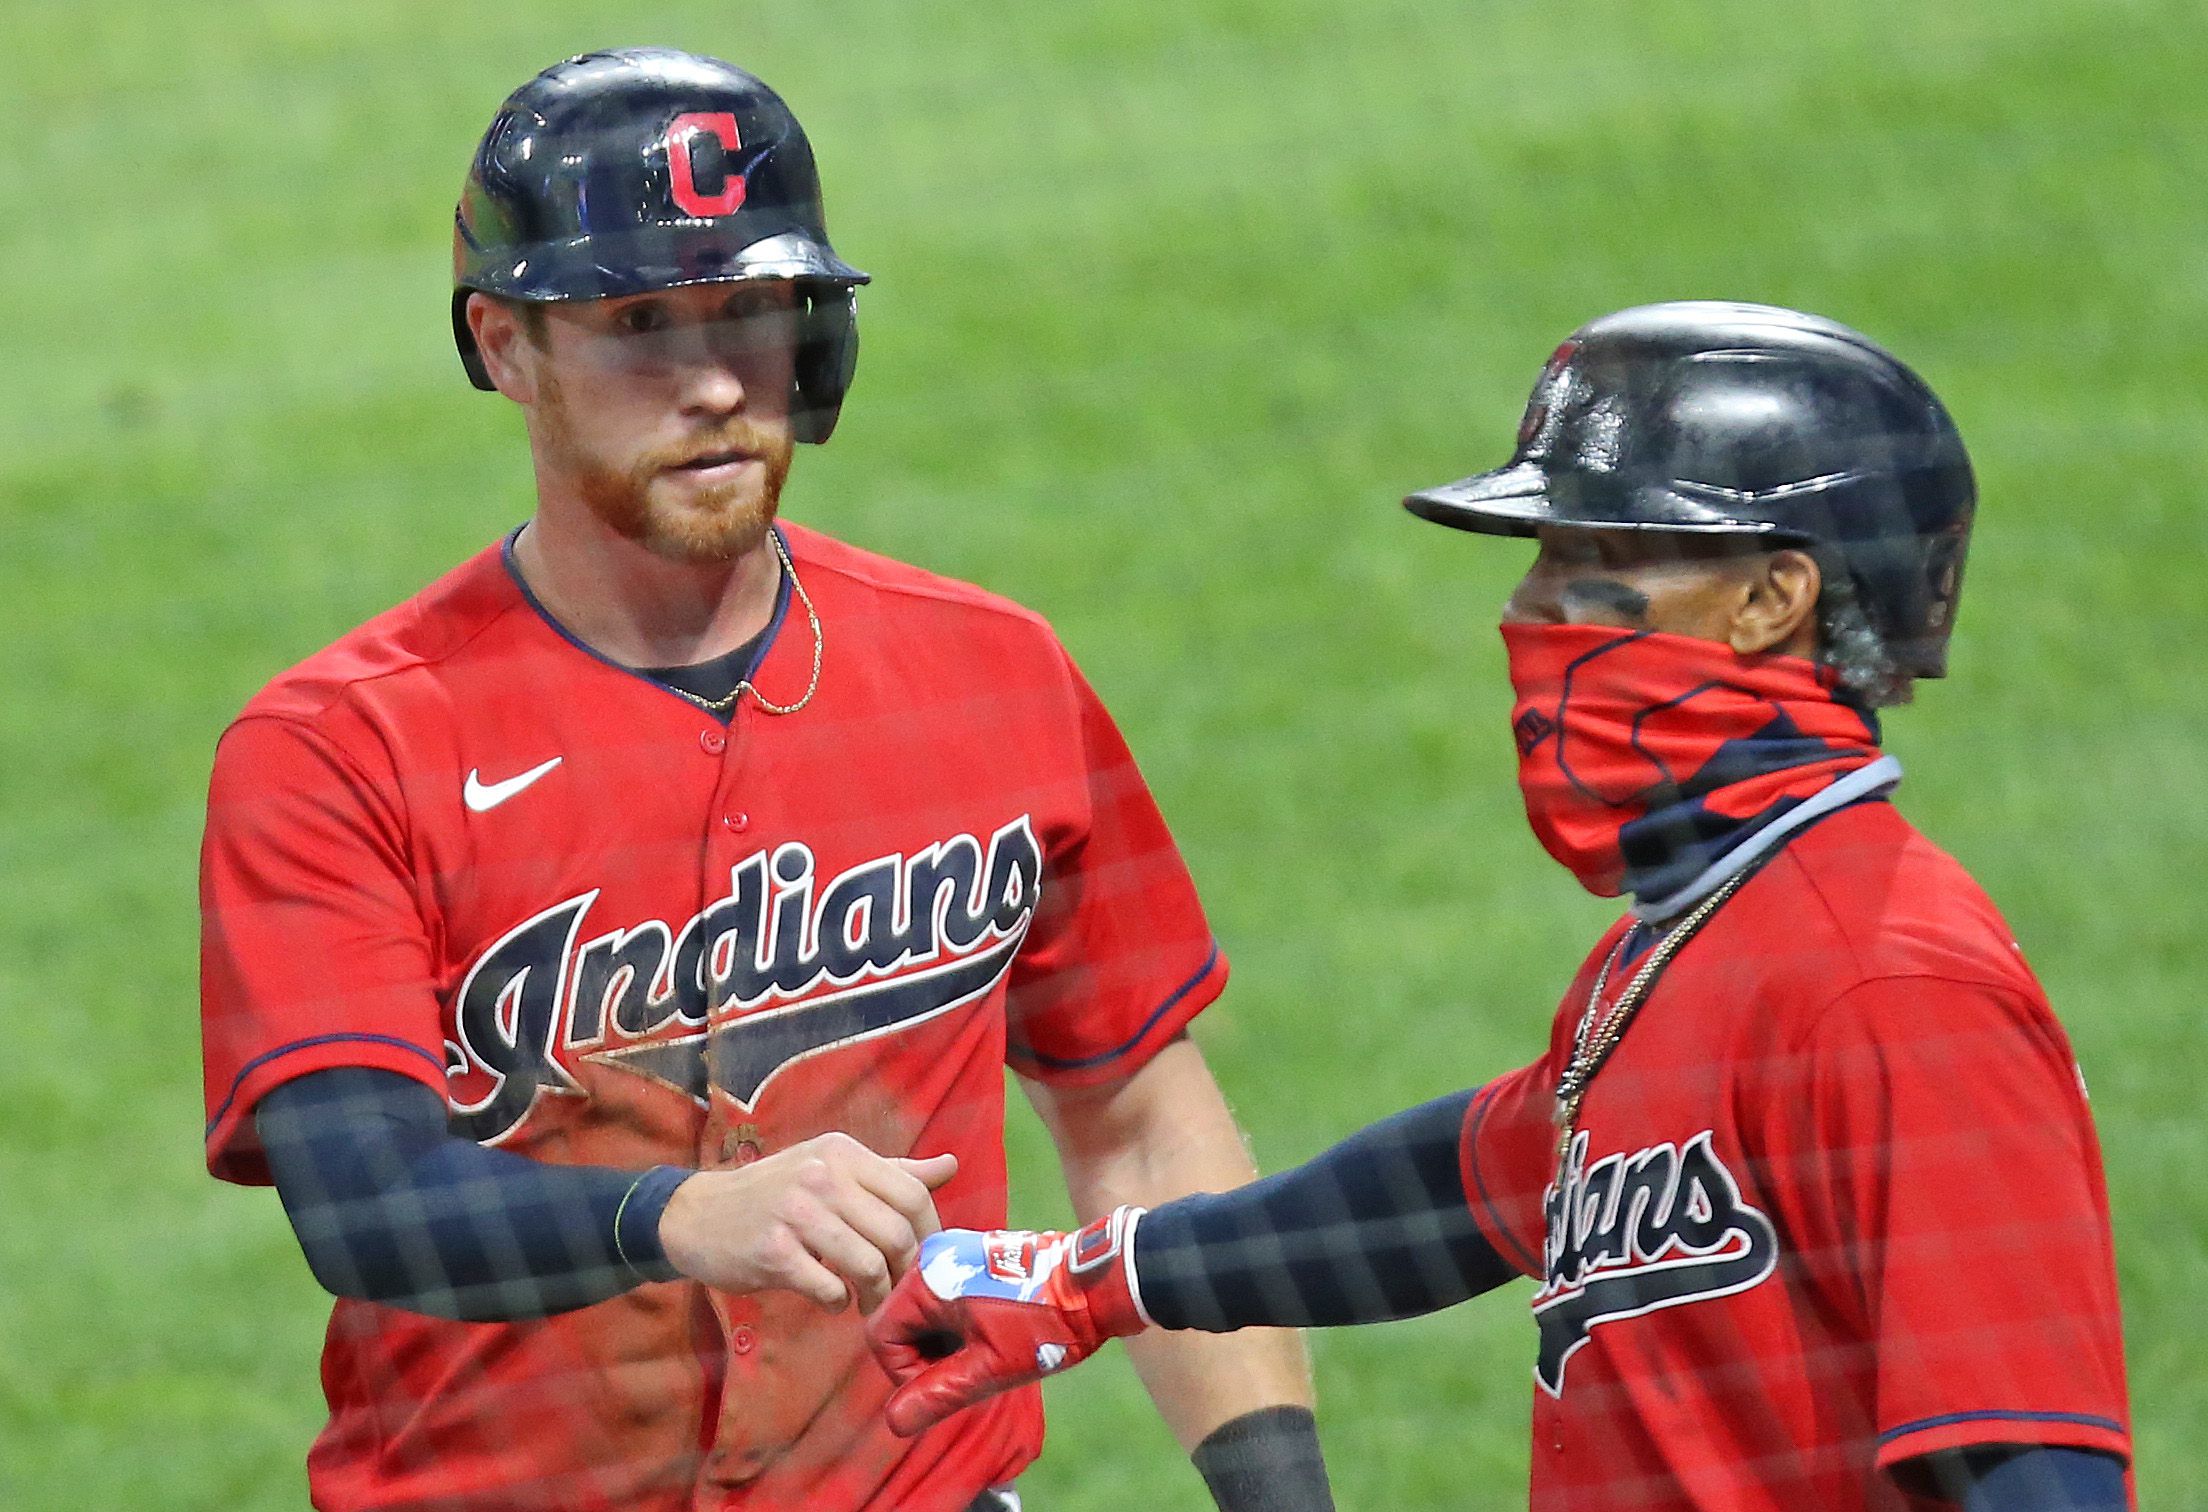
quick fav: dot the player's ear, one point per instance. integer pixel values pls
(510, 350)
(1777, 608)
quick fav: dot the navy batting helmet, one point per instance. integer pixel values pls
(648, 168)
(1745, 420)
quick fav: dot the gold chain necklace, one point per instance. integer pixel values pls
(724, 704)
(1592, 1046)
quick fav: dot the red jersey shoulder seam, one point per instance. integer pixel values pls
(311, 725)
(1787, 857)
(1814, 1022)
(309, 720)
(312, 716)
(859, 565)
(342, 690)
(886, 575)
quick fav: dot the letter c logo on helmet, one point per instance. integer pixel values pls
(626, 172)
(682, 179)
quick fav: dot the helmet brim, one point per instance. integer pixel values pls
(1510, 501)
(793, 256)
(1519, 500)
(618, 264)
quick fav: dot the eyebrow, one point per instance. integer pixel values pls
(1603, 593)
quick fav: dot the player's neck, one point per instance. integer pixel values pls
(638, 608)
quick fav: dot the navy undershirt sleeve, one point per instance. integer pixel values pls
(2022, 1478)
(390, 1206)
(1376, 1228)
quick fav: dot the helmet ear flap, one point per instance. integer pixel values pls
(470, 358)
(827, 356)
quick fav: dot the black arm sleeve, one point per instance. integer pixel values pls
(391, 1206)
(2021, 1478)
(1375, 1228)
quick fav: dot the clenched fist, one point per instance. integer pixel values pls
(829, 1219)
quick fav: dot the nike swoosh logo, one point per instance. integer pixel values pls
(484, 796)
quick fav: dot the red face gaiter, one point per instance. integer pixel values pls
(1644, 757)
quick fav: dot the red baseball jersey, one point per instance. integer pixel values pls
(610, 930)
(1834, 1201)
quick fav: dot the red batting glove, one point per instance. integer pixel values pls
(984, 1312)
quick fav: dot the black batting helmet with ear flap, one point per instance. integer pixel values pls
(1749, 421)
(625, 172)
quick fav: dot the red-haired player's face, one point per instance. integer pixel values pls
(668, 414)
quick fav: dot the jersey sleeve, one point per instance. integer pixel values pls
(1506, 1154)
(313, 951)
(1119, 957)
(1951, 1203)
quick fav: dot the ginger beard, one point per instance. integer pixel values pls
(650, 500)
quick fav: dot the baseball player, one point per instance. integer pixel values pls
(612, 954)
(1804, 1178)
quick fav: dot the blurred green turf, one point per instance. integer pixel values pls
(1173, 303)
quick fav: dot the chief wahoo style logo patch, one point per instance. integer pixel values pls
(1633, 1234)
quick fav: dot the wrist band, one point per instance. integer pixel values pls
(1266, 1461)
(636, 1223)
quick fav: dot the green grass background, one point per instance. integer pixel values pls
(1173, 303)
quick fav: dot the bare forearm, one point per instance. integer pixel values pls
(1165, 1135)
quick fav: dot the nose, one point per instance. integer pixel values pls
(711, 387)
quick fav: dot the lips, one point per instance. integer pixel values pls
(708, 460)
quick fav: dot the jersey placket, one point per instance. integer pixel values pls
(727, 836)
(728, 1137)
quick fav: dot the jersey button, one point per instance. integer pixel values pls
(742, 1339)
(737, 822)
(742, 1144)
(713, 742)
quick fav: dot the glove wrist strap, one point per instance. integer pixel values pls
(1102, 1263)
(1127, 1264)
